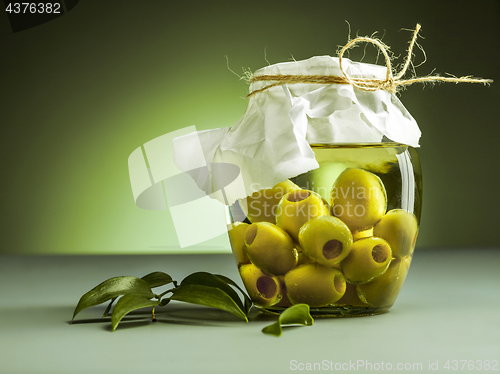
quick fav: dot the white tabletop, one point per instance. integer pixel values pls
(448, 310)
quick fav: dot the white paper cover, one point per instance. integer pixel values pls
(270, 143)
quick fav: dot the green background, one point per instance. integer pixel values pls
(80, 93)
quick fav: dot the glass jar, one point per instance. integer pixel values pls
(339, 238)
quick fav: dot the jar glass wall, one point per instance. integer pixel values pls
(339, 238)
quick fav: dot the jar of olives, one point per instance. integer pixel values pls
(339, 238)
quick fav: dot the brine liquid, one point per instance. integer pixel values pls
(398, 168)
(395, 164)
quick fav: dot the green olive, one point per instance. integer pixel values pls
(384, 290)
(351, 296)
(262, 288)
(400, 228)
(325, 239)
(237, 240)
(270, 248)
(314, 285)
(358, 198)
(285, 301)
(407, 261)
(356, 235)
(261, 206)
(302, 257)
(368, 259)
(298, 207)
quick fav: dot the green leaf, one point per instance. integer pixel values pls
(164, 302)
(209, 296)
(128, 303)
(108, 308)
(273, 329)
(154, 279)
(157, 279)
(112, 288)
(248, 301)
(210, 280)
(295, 315)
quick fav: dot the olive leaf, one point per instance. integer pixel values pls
(154, 279)
(157, 279)
(208, 296)
(128, 303)
(108, 308)
(113, 288)
(164, 302)
(294, 315)
(248, 301)
(211, 280)
(200, 288)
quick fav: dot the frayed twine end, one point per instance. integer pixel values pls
(391, 83)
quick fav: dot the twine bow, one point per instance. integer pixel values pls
(390, 83)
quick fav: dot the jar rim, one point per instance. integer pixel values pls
(359, 145)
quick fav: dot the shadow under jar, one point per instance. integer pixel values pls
(339, 238)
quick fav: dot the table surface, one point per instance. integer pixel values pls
(448, 310)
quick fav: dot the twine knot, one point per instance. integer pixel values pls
(389, 83)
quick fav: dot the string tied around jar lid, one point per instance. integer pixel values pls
(389, 83)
